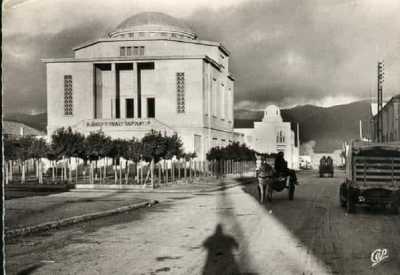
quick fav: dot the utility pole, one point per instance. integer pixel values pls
(380, 99)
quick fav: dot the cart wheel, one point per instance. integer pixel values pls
(261, 194)
(291, 191)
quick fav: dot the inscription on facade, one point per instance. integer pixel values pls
(128, 123)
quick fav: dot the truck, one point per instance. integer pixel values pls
(325, 167)
(372, 176)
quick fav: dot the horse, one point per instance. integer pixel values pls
(264, 175)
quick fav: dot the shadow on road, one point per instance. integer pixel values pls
(220, 258)
(225, 256)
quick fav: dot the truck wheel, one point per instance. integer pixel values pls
(342, 196)
(395, 208)
(350, 207)
(291, 191)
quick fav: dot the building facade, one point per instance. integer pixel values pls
(151, 72)
(390, 122)
(273, 135)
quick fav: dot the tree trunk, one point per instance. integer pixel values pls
(126, 172)
(115, 171)
(105, 170)
(52, 170)
(95, 170)
(70, 170)
(165, 170)
(39, 167)
(120, 171)
(172, 171)
(141, 173)
(76, 171)
(23, 172)
(152, 173)
(11, 170)
(159, 174)
(178, 165)
(184, 171)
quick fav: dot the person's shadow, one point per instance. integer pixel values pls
(220, 258)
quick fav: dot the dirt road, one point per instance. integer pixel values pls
(224, 232)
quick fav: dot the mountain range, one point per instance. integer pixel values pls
(329, 127)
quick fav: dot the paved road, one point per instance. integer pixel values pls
(224, 232)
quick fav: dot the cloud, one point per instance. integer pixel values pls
(292, 51)
(286, 52)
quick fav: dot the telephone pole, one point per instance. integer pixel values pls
(380, 101)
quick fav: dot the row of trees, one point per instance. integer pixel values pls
(67, 145)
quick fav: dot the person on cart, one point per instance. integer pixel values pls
(282, 170)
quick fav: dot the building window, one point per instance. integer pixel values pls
(129, 108)
(122, 51)
(68, 95)
(141, 34)
(138, 50)
(280, 137)
(214, 95)
(180, 92)
(128, 51)
(131, 34)
(222, 101)
(151, 107)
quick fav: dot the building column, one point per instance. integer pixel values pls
(111, 103)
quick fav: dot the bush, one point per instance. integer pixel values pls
(233, 151)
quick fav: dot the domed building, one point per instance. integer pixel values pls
(150, 72)
(273, 135)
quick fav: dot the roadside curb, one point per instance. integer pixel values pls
(18, 232)
(160, 190)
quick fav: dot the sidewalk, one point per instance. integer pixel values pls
(30, 214)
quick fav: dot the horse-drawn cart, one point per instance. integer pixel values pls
(269, 182)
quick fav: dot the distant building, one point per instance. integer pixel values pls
(17, 129)
(391, 121)
(273, 135)
(151, 72)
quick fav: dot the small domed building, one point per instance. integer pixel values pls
(150, 72)
(273, 135)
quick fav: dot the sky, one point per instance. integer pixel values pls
(284, 52)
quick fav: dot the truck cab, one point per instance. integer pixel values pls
(372, 176)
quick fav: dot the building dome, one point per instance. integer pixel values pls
(272, 113)
(148, 24)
